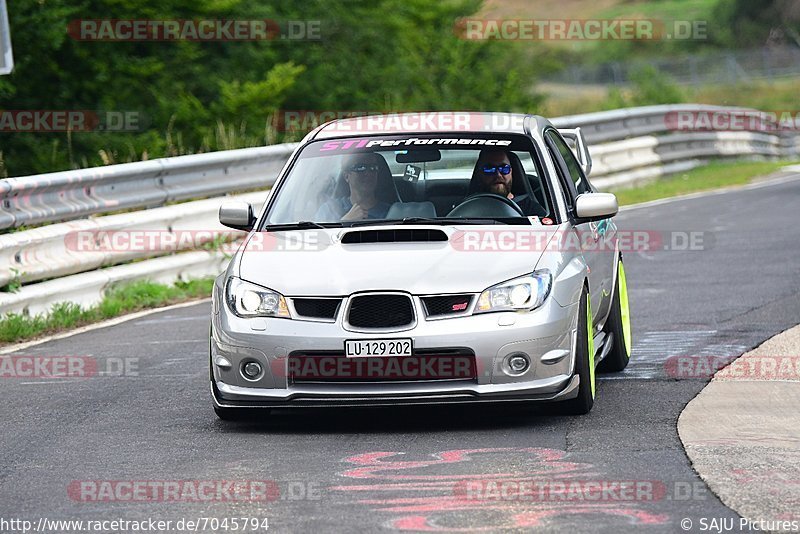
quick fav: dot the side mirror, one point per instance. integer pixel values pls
(595, 206)
(237, 215)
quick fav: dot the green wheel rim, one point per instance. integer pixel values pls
(590, 342)
(624, 311)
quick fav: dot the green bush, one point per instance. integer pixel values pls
(648, 87)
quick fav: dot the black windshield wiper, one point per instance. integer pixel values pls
(301, 225)
(451, 220)
(428, 220)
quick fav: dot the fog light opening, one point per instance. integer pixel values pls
(518, 363)
(252, 370)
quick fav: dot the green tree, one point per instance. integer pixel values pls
(745, 23)
(385, 55)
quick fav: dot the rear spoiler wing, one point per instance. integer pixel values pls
(580, 147)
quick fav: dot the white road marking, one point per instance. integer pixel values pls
(59, 381)
(652, 349)
(172, 319)
(161, 342)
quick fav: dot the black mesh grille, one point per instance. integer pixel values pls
(446, 304)
(317, 308)
(381, 311)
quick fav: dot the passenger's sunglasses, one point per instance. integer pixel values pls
(492, 169)
(363, 168)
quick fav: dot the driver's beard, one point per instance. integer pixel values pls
(499, 189)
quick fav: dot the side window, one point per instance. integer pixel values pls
(575, 171)
(565, 192)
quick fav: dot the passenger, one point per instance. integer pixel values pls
(360, 174)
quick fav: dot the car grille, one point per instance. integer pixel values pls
(430, 365)
(381, 311)
(446, 304)
(316, 308)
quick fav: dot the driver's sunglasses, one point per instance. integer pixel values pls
(492, 169)
(363, 168)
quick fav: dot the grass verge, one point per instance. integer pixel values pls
(711, 176)
(125, 298)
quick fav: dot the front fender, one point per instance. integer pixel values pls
(569, 273)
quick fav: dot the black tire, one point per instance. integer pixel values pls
(584, 363)
(619, 356)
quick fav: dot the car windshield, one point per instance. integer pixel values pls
(412, 178)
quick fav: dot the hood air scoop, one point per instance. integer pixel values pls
(396, 235)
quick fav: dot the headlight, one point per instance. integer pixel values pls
(524, 293)
(249, 300)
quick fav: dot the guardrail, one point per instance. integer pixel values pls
(626, 146)
(635, 145)
(76, 194)
(87, 289)
(72, 247)
(617, 124)
(628, 161)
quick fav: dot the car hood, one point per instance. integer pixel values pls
(316, 262)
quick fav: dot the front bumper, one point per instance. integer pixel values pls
(546, 336)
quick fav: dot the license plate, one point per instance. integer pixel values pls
(363, 348)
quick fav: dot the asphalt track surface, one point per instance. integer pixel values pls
(370, 470)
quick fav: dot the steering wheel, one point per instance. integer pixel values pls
(475, 205)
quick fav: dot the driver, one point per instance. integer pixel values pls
(496, 175)
(360, 172)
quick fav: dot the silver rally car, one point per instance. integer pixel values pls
(450, 258)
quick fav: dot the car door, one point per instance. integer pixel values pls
(597, 237)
